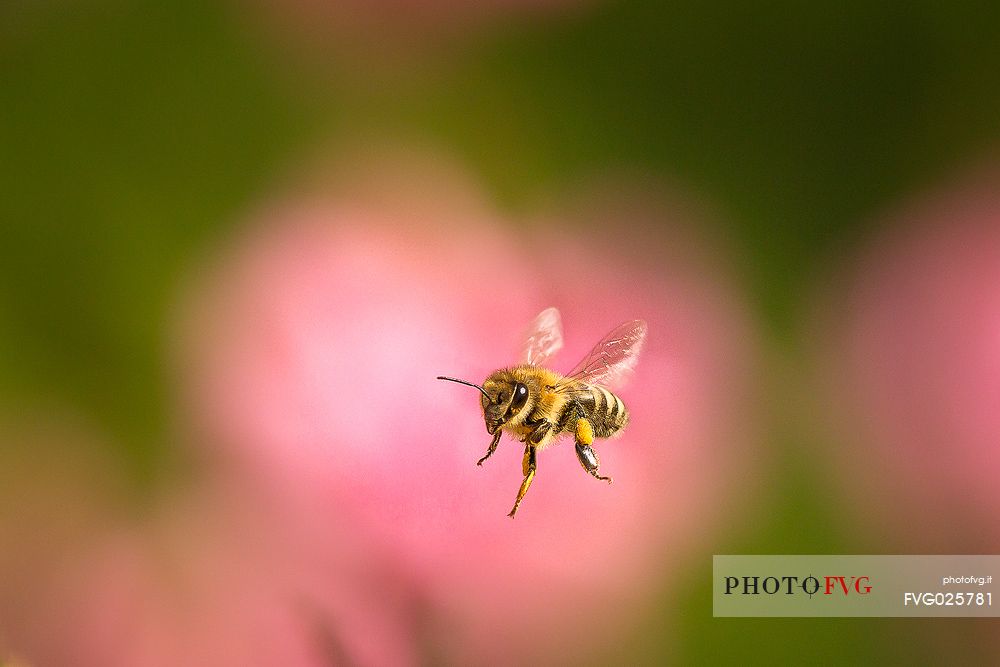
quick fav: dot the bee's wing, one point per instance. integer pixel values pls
(612, 360)
(543, 338)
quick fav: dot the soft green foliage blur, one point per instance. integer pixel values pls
(133, 134)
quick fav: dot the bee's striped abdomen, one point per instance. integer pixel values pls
(605, 411)
(609, 414)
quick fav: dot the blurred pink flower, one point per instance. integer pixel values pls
(310, 356)
(214, 580)
(916, 359)
(55, 495)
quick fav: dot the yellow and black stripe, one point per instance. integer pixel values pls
(603, 409)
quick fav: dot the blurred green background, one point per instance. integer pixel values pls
(133, 133)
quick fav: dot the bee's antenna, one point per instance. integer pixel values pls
(441, 377)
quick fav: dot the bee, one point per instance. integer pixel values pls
(537, 405)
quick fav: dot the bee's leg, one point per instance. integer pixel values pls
(537, 435)
(528, 465)
(584, 451)
(493, 447)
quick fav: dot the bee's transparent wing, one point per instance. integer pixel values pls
(544, 337)
(612, 360)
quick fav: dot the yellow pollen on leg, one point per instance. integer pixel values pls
(584, 432)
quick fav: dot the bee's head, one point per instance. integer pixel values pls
(504, 399)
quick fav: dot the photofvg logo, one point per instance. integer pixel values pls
(794, 585)
(816, 585)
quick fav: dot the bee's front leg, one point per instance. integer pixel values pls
(493, 447)
(584, 451)
(528, 465)
(539, 433)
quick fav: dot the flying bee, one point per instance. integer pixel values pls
(537, 405)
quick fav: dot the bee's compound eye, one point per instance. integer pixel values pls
(520, 396)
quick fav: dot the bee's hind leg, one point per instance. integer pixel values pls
(528, 466)
(584, 451)
(493, 447)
